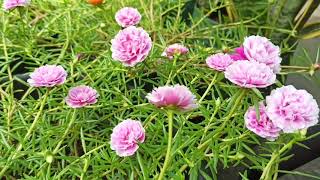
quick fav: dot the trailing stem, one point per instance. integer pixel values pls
(167, 158)
(226, 120)
(73, 117)
(266, 175)
(170, 78)
(27, 136)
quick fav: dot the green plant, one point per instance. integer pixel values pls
(43, 138)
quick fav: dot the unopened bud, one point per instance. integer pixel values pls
(225, 49)
(49, 157)
(303, 133)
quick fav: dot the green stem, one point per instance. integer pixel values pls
(295, 67)
(27, 136)
(209, 87)
(221, 128)
(12, 108)
(141, 165)
(78, 159)
(167, 158)
(226, 120)
(266, 175)
(10, 77)
(170, 78)
(73, 117)
(85, 168)
(22, 20)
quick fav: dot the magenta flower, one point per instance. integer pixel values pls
(131, 46)
(250, 74)
(174, 49)
(239, 54)
(128, 16)
(219, 61)
(291, 109)
(176, 96)
(260, 49)
(263, 127)
(81, 96)
(47, 76)
(126, 136)
(11, 4)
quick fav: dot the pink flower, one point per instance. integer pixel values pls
(126, 136)
(291, 109)
(239, 54)
(263, 127)
(250, 74)
(128, 16)
(131, 46)
(81, 96)
(47, 76)
(176, 96)
(174, 49)
(11, 4)
(260, 49)
(219, 61)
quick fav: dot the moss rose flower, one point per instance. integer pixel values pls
(250, 74)
(219, 61)
(11, 4)
(176, 96)
(291, 109)
(128, 16)
(81, 96)
(126, 136)
(47, 76)
(131, 46)
(263, 127)
(260, 49)
(238, 54)
(175, 49)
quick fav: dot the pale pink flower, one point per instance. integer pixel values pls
(260, 49)
(131, 46)
(128, 16)
(81, 96)
(175, 49)
(238, 54)
(177, 96)
(250, 74)
(126, 136)
(291, 109)
(263, 127)
(219, 61)
(11, 4)
(47, 76)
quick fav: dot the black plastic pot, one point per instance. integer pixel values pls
(303, 155)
